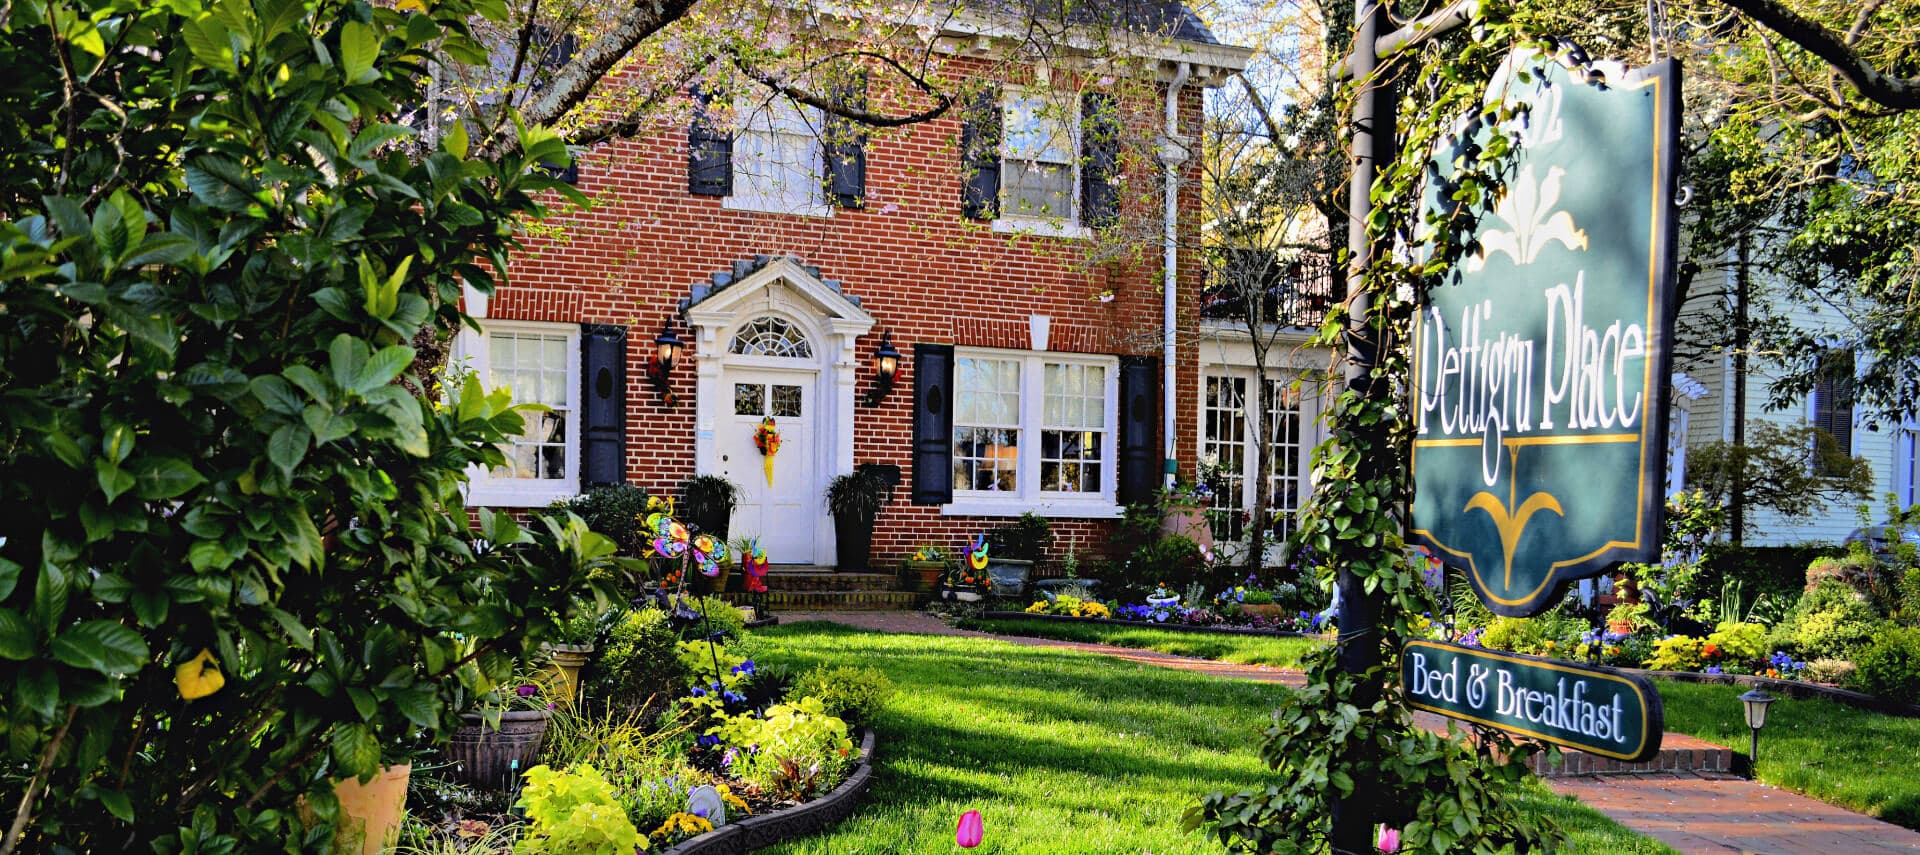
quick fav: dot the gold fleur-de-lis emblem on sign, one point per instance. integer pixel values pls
(1527, 206)
(1511, 525)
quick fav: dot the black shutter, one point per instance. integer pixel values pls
(846, 148)
(603, 405)
(1099, 160)
(709, 151)
(980, 157)
(1139, 422)
(932, 424)
(552, 55)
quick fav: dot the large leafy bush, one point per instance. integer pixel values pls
(1831, 620)
(235, 563)
(1890, 666)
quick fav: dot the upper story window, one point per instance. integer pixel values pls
(770, 336)
(1038, 162)
(539, 364)
(778, 158)
(1032, 428)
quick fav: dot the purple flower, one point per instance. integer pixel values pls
(699, 692)
(527, 690)
(1713, 669)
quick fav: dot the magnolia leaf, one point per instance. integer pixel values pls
(101, 645)
(359, 46)
(164, 477)
(17, 636)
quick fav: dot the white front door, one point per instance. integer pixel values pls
(782, 511)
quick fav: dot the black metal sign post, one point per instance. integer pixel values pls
(1373, 129)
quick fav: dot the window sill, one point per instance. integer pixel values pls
(1040, 227)
(1013, 506)
(507, 494)
(760, 205)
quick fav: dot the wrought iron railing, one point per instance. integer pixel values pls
(1293, 291)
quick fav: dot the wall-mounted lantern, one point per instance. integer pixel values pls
(667, 347)
(886, 367)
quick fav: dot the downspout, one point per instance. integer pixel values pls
(1172, 156)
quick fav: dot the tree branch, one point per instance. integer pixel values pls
(32, 794)
(572, 83)
(1900, 93)
(943, 101)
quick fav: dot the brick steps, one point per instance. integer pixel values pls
(778, 601)
(778, 581)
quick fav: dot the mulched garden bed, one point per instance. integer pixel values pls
(1141, 624)
(760, 830)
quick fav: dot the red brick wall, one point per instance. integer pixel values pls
(923, 271)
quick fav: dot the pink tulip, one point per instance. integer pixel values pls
(970, 830)
(1389, 840)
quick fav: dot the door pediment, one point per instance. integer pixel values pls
(798, 286)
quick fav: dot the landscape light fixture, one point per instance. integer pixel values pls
(1756, 702)
(886, 367)
(667, 347)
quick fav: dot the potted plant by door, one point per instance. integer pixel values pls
(1185, 514)
(855, 500)
(708, 503)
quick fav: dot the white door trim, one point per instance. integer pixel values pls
(832, 323)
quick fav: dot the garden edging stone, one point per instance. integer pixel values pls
(755, 832)
(1226, 630)
(1790, 688)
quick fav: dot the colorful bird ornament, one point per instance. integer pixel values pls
(977, 553)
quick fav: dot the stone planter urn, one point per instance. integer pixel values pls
(565, 662)
(1009, 576)
(965, 593)
(1168, 602)
(492, 759)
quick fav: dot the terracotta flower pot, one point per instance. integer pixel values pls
(370, 813)
(1620, 627)
(925, 575)
(566, 660)
(492, 759)
(1190, 523)
(1266, 610)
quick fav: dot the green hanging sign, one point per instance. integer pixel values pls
(1541, 362)
(1596, 710)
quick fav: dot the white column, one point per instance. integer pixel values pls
(707, 398)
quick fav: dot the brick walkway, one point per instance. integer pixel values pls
(1695, 813)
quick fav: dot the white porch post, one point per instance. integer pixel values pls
(706, 408)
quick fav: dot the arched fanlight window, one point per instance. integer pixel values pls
(770, 336)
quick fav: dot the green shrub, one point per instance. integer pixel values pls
(1028, 538)
(1550, 634)
(1739, 642)
(721, 617)
(224, 272)
(574, 813)
(640, 660)
(1909, 610)
(1830, 621)
(1676, 653)
(852, 694)
(1775, 572)
(1173, 561)
(1834, 671)
(1890, 667)
(1855, 570)
(618, 512)
(800, 750)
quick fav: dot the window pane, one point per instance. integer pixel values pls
(535, 368)
(1223, 440)
(1037, 130)
(749, 399)
(985, 458)
(1070, 461)
(786, 401)
(777, 155)
(987, 392)
(1035, 189)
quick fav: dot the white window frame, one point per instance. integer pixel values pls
(1028, 496)
(483, 488)
(748, 110)
(1010, 221)
(1906, 464)
(1310, 405)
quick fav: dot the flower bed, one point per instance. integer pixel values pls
(1178, 627)
(754, 832)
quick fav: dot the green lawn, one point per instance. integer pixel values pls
(1837, 753)
(1847, 756)
(1238, 649)
(1063, 753)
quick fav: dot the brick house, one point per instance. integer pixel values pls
(1034, 373)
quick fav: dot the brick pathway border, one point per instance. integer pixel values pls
(1695, 813)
